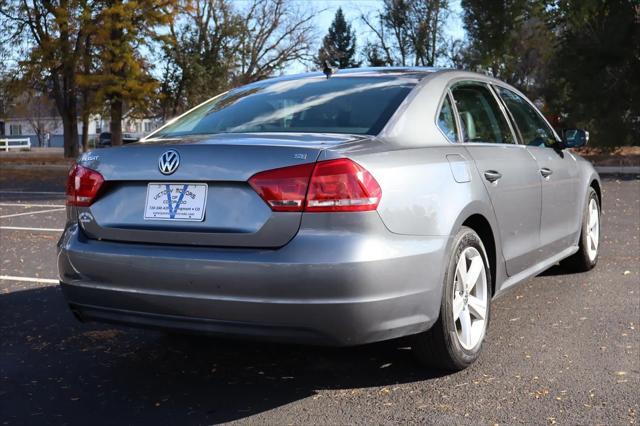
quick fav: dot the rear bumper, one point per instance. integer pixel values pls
(334, 288)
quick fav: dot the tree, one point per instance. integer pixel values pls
(595, 69)
(511, 40)
(123, 77)
(4, 96)
(88, 101)
(455, 53)
(491, 25)
(50, 34)
(375, 57)
(339, 45)
(214, 46)
(275, 33)
(199, 54)
(580, 58)
(39, 111)
(407, 32)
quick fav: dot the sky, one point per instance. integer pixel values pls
(353, 9)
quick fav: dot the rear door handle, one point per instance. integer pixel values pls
(545, 172)
(492, 175)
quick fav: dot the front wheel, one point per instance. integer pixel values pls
(455, 340)
(587, 255)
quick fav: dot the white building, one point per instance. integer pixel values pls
(37, 118)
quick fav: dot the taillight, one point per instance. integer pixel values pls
(83, 185)
(283, 189)
(327, 186)
(342, 185)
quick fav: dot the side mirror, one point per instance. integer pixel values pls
(574, 138)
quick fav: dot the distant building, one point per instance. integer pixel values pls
(36, 117)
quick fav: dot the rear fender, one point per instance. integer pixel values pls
(423, 192)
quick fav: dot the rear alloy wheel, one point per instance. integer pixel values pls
(454, 341)
(588, 247)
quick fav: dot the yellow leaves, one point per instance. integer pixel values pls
(117, 30)
(540, 393)
(122, 73)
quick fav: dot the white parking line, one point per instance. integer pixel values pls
(21, 228)
(29, 213)
(30, 280)
(30, 205)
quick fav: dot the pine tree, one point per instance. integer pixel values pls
(123, 78)
(339, 45)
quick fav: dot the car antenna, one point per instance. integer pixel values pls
(328, 70)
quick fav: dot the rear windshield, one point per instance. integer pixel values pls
(353, 105)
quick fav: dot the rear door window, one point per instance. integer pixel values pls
(481, 118)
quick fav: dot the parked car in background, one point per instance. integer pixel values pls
(104, 140)
(368, 205)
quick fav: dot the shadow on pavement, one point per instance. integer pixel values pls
(556, 270)
(54, 369)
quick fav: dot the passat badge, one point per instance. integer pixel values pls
(169, 162)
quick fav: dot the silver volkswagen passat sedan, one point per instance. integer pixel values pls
(370, 205)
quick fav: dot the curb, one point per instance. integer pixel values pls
(618, 170)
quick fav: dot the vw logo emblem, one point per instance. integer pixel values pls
(169, 162)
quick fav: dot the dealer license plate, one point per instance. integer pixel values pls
(176, 201)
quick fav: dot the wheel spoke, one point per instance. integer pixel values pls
(474, 272)
(461, 269)
(592, 242)
(465, 323)
(458, 304)
(477, 307)
(593, 217)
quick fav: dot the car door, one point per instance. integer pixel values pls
(561, 207)
(510, 174)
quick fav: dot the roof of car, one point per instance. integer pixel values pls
(387, 70)
(416, 73)
(408, 72)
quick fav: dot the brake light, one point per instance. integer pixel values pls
(342, 185)
(339, 185)
(83, 185)
(283, 189)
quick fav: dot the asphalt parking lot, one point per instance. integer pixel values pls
(562, 348)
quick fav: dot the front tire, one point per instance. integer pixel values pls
(589, 246)
(455, 340)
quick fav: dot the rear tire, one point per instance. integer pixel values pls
(589, 245)
(455, 340)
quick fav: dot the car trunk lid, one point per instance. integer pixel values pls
(234, 214)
